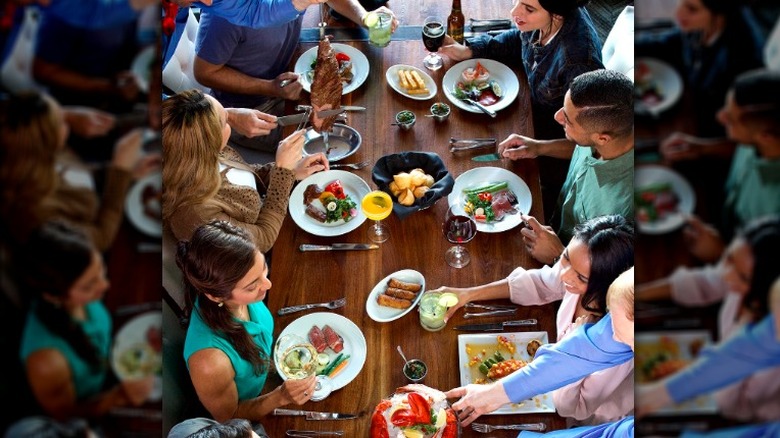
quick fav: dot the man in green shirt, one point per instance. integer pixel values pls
(751, 116)
(598, 119)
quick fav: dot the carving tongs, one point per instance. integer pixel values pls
(465, 144)
(490, 310)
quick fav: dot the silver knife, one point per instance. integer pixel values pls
(343, 108)
(337, 246)
(486, 157)
(298, 118)
(497, 327)
(313, 415)
(457, 145)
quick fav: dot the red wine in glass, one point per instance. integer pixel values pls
(460, 229)
(433, 32)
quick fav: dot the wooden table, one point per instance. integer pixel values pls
(415, 243)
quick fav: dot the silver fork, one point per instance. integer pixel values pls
(489, 306)
(335, 304)
(355, 166)
(485, 428)
(489, 313)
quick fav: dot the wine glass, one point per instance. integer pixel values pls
(377, 205)
(433, 36)
(296, 358)
(458, 228)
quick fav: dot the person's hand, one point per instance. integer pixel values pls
(453, 50)
(251, 122)
(680, 146)
(703, 240)
(137, 390)
(126, 86)
(290, 150)
(128, 150)
(311, 164)
(298, 391)
(293, 88)
(477, 400)
(301, 5)
(89, 122)
(462, 299)
(541, 241)
(650, 398)
(517, 147)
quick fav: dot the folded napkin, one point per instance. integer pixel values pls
(429, 162)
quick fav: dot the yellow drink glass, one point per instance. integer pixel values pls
(377, 205)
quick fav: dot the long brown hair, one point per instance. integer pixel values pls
(30, 137)
(216, 258)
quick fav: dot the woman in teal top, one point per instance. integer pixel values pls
(229, 339)
(66, 340)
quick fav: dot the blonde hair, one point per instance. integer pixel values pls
(623, 289)
(30, 137)
(192, 138)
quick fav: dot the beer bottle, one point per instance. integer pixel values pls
(456, 22)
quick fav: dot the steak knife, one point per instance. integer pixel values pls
(316, 416)
(337, 246)
(294, 119)
(497, 327)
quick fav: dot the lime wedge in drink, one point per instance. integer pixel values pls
(448, 299)
(371, 19)
(379, 201)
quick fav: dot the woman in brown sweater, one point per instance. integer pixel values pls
(204, 179)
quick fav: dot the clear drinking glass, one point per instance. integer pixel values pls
(458, 228)
(432, 312)
(433, 32)
(296, 358)
(377, 205)
(379, 28)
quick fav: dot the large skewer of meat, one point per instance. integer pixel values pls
(326, 86)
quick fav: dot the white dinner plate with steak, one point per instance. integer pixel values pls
(351, 342)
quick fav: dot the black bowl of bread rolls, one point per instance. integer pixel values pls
(415, 180)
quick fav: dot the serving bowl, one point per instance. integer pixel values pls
(343, 141)
(415, 370)
(430, 163)
(405, 124)
(440, 111)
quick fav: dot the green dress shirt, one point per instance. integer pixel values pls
(593, 188)
(752, 188)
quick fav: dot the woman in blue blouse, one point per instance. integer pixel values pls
(229, 338)
(66, 341)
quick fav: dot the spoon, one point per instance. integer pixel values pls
(401, 352)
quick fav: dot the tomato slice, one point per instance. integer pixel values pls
(485, 196)
(341, 57)
(337, 189)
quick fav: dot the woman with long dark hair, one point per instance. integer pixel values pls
(66, 341)
(601, 249)
(230, 334)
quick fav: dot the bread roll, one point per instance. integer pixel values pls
(406, 198)
(394, 188)
(419, 192)
(429, 181)
(402, 180)
(418, 177)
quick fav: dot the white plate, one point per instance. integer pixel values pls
(142, 68)
(131, 336)
(646, 175)
(648, 342)
(135, 209)
(668, 81)
(354, 342)
(386, 314)
(354, 187)
(359, 66)
(538, 403)
(481, 176)
(392, 78)
(506, 78)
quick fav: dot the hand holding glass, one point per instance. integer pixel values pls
(458, 228)
(377, 205)
(433, 36)
(296, 358)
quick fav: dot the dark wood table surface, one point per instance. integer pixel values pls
(416, 242)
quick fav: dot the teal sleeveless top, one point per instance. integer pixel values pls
(260, 326)
(97, 325)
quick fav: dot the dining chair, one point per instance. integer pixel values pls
(16, 70)
(618, 50)
(178, 65)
